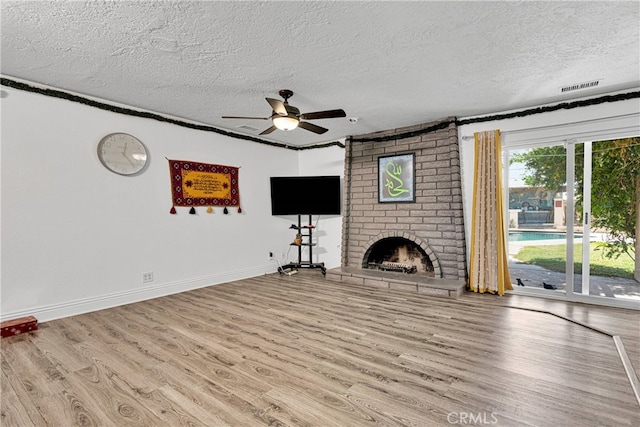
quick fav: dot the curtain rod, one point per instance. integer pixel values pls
(509, 132)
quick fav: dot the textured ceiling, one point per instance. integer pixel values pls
(391, 64)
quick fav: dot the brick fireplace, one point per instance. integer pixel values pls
(432, 224)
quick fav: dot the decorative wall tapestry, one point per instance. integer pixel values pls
(202, 184)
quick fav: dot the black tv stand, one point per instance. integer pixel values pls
(306, 240)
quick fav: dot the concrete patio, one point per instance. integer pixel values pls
(533, 276)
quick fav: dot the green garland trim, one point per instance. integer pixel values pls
(442, 125)
(522, 113)
(549, 108)
(146, 115)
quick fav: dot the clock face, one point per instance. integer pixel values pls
(122, 153)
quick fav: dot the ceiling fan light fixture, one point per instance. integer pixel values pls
(286, 117)
(286, 123)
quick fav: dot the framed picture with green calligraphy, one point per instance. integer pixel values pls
(396, 179)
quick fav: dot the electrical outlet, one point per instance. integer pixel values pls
(147, 277)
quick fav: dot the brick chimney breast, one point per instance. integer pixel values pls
(433, 222)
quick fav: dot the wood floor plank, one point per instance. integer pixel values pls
(108, 397)
(17, 408)
(56, 348)
(39, 377)
(317, 412)
(407, 411)
(304, 351)
(206, 408)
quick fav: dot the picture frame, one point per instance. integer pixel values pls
(396, 178)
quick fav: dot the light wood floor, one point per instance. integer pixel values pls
(305, 351)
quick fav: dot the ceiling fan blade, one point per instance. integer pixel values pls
(329, 114)
(278, 106)
(313, 128)
(241, 117)
(267, 131)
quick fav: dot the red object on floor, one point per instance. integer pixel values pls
(18, 326)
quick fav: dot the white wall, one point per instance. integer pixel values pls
(596, 122)
(77, 238)
(328, 232)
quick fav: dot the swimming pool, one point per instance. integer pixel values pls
(521, 236)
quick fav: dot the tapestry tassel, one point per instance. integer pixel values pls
(239, 209)
(173, 210)
(192, 211)
(209, 209)
(226, 211)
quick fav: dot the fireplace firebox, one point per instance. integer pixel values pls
(398, 254)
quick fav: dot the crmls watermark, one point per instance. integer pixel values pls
(472, 418)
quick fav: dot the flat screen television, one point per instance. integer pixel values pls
(305, 195)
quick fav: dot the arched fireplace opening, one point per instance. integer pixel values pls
(398, 254)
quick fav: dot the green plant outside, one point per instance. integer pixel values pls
(553, 257)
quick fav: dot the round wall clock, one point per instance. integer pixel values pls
(122, 153)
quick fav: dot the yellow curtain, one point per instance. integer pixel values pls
(489, 268)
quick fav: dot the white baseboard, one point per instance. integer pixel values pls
(46, 313)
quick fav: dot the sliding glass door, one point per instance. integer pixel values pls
(572, 220)
(606, 195)
(536, 199)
